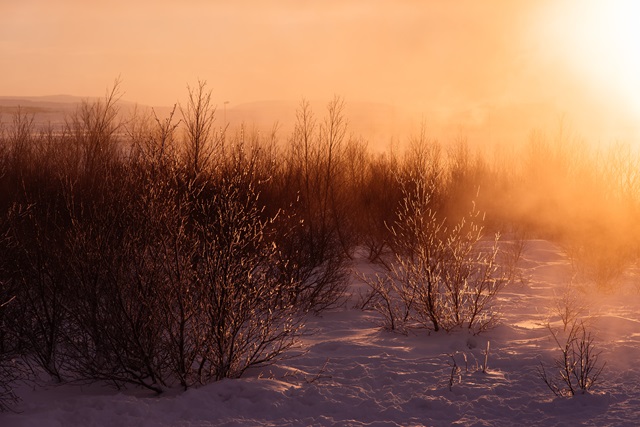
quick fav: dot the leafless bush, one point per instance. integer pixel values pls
(311, 190)
(376, 204)
(9, 371)
(355, 159)
(578, 367)
(114, 333)
(456, 371)
(200, 137)
(476, 365)
(423, 159)
(389, 299)
(33, 229)
(20, 138)
(569, 306)
(511, 253)
(78, 161)
(621, 170)
(153, 274)
(39, 279)
(9, 349)
(174, 284)
(599, 259)
(248, 315)
(465, 172)
(92, 132)
(443, 277)
(153, 146)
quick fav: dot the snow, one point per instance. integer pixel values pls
(349, 372)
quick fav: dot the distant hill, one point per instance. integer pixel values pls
(46, 109)
(375, 122)
(379, 124)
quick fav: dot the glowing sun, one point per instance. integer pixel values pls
(600, 41)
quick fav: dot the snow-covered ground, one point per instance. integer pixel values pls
(352, 373)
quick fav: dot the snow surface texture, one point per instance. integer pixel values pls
(352, 373)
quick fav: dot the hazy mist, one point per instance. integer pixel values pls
(491, 70)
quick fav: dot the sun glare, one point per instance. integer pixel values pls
(599, 41)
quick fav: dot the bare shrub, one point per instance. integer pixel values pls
(445, 277)
(20, 138)
(76, 161)
(376, 202)
(175, 284)
(600, 259)
(9, 369)
(39, 280)
(471, 364)
(34, 230)
(569, 305)
(92, 130)
(578, 367)
(513, 246)
(456, 371)
(355, 159)
(390, 300)
(423, 159)
(142, 267)
(200, 137)
(462, 177)
(247, 315)
(114, 334)
(310, 187)
(153, 146)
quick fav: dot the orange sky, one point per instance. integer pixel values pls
(470, 64)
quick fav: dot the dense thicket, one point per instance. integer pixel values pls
(161, 251)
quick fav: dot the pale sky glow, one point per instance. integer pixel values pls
(467, 58)
(601, 50)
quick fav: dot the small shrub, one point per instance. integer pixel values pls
(578, 368)
(39, 279)
(9, 372)
(441, 276)
(569, 306)
(8, 366)
(600, 260)
(200, 138)
(476, 365)
(390, 300)
(512, 253)
(375, 204)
